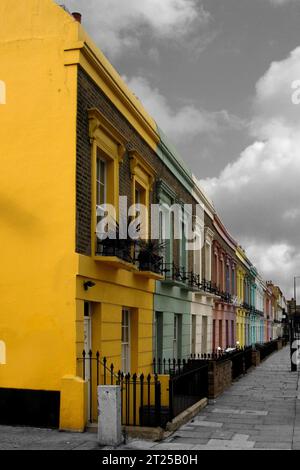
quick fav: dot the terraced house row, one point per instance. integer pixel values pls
(73, 137)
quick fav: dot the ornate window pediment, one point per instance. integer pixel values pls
(108, 137)
(140, 169)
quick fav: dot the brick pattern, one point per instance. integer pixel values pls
(91, 96)
(219, 377)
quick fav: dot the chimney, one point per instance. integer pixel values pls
(77, 16)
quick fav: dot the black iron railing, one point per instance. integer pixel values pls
(168, 366)
(141, 400)
(265, 349)
(187, 388)
(259, 313)
(177, 366)
(122, 249)
(193, 281)
(140, 395)
(241, 359)
(151, 266)
(175, 274)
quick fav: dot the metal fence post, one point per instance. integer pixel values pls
(171, 412)
(157, 402)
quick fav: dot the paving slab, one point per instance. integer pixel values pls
(260, 411)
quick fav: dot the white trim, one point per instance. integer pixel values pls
(126, 345)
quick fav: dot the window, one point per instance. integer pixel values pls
(221, 274)
(139, 195)
(166, 231)
(220, 334)
(227, 278)
(207, 261)
(125, 345)
(214, 335)
(183, 252)
(227, 333)
(159, 335)
(101, 180)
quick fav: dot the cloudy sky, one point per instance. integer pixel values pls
(217, 76)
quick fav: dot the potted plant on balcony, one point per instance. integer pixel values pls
(113, 245)
(150, 255)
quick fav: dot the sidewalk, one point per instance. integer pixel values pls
(260, 411)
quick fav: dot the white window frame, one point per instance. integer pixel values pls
(126, 345)
(99, 183)
(208, 260)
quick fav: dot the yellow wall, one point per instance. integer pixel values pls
(114, 289)
(41, 277)
(37, 196)
(241, 326)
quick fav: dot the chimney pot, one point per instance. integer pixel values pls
(77, 16)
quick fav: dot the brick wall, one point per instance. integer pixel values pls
(219, 377)
(91, 96)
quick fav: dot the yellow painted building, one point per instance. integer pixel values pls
(48, 312)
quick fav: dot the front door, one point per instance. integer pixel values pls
(159, 335)
(194, 322)
(204, 335)
(176, 337)
(88, 348)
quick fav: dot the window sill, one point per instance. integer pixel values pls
(151, 275)
(116, 262)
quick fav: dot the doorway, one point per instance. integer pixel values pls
(87, 348)
(177, 337)
(194, 326)
(204, 335)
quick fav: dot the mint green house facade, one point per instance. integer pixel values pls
(173, 297)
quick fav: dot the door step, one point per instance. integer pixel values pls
(92, 427)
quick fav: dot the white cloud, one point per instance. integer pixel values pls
(259, 194)
(282, 2)
(118, 24)
(185, 121)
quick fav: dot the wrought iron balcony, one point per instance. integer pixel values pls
(246, 306)
(176, 275)
(121, 249)
(226, 297)
(209, 286)
(259, 313)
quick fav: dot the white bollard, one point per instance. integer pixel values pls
(109, 415)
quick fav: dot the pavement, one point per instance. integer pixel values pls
(260, 411)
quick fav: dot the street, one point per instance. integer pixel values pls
(259, 411)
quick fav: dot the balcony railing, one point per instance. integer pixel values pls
(122, 249)
(130, 252)
(175, 274)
